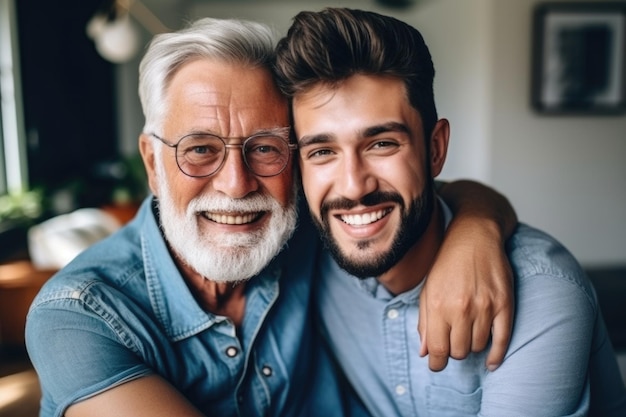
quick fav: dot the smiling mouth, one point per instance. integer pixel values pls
(242, 218)
(365, 218)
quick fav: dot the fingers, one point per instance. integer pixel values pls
(441, 339)
(481, 331)
(461, 339)
(422, 324)
(502, 324)
(438, 336)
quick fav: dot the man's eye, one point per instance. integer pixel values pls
(319, 153)
(202, 150)
(264, 149)
(383, 148)
(200, 154)
(383, 144)
(199, 150)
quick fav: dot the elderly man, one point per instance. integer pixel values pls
(370, 147)
(199, 305)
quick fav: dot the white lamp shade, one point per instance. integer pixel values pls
(117, 41)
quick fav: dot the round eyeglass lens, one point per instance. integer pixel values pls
(200, 155)
(266, 155)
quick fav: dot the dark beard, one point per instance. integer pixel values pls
(413, 223)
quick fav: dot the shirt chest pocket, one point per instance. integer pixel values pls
(446, 402)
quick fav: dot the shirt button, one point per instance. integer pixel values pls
(392, 314)
(232, 351)
(240, 399)
(400, 390)
(266, 370)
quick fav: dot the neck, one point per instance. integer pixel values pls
(221, 298)
(413, 267)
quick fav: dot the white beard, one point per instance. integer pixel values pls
(224, 257)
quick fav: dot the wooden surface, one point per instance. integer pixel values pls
(19, 283)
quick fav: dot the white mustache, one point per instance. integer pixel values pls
(221, 205)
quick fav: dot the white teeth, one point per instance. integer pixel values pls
(362, 219)
(228, 219)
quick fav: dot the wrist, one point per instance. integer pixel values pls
(478, 225)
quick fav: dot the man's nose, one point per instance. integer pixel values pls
(355, 179)
(234, 179)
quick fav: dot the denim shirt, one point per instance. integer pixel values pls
(559, 362)
(121, 310)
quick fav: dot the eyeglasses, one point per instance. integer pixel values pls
(203, 154)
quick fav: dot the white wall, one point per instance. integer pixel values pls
(566, 175)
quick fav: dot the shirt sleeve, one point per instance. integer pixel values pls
(77, 354)
(558, 337)
(545, 370)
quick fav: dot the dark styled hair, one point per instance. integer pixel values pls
(331, 45)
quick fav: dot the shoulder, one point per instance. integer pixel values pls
(535, 252)
(550, 284)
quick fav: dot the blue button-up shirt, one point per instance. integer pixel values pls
(559, 362)
(121, 310)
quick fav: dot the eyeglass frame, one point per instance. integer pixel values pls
(282, 133)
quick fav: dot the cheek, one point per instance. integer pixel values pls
(314, 184)
(183, 189)
(409, 181)
(281, 187)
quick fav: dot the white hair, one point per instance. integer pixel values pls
(229, 40)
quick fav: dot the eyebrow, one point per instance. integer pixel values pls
(279, 131)
(385, 127)
(368, 132)
(309, 140)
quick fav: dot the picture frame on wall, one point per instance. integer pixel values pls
(579, 58)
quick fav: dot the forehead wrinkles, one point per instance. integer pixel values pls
(232, 106)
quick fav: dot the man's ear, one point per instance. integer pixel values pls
(146, 148)
(439, 146)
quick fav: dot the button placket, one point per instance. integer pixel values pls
(394, 328)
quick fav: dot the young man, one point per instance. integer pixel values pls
(199, 306)
(371, 144)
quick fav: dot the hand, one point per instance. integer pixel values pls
(467, 297)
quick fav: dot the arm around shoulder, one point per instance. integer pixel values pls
(468, 296)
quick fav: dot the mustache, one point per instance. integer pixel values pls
(217, 203)
(371, 199)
